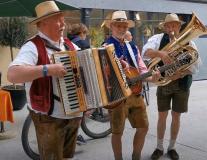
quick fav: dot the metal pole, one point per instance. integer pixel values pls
(133, 30)
(85, 16)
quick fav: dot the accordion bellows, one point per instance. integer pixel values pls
(94, 78)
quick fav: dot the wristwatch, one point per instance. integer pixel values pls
(44, 70)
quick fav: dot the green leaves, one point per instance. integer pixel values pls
(13, 32)
(97, 36)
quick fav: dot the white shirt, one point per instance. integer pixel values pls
(28, 55)
(154, 43)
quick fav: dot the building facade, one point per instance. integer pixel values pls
(151, 12)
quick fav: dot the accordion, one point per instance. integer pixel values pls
(95, 78)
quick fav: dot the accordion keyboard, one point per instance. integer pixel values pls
(68, 85)
(70, 88)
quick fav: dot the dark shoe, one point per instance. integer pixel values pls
(156, 154)
(172, 154)
(99, 116)
(80, 140)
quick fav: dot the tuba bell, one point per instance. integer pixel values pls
(180, 52)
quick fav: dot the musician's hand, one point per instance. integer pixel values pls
(165, 57)
(57, 70)
(124, 64)
(155, 76)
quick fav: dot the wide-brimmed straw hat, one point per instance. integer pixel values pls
(119, 16)
(172, 17)
(44, 10)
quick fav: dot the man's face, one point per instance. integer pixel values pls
(119, 29)
(172, 28)
(54, 27)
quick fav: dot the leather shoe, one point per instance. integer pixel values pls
(80, 140)
(156, 154)
(172, 154)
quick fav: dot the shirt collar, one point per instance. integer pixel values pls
(119, 40)
(57, 44)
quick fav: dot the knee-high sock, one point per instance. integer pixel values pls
(160, 144)
(171, 144)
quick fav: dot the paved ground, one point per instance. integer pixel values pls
(191, 143)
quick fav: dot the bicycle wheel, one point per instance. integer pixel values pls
(29, 141)
(146, 92)
(96, 124)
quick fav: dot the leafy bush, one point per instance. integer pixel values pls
(97, 36)
(13, 32)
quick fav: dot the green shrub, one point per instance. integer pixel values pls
(13, 32)
(97, 36)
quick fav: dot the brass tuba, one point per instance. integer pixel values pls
(181, 53)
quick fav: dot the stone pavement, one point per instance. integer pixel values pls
(191, 143)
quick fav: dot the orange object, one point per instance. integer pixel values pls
(6, 108)
(132, 72)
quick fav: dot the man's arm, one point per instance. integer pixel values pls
(163, 55)
(28, 73)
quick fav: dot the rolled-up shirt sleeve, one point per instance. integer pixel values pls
(195, 67)
(152, 43)
(141, 64)
(27, 55)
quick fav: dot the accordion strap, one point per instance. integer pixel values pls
(49, 45)
(56, 97)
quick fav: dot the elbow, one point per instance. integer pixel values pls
(150, 53)
(147, 53)
(10, 77)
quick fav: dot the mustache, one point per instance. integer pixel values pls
(121, 33)
(62, 29)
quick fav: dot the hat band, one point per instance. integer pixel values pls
(120, 19)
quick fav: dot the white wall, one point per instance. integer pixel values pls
(5, 59)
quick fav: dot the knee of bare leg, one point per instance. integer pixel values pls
(142, 131)
(117, 134)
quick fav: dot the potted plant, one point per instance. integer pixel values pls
(97, 36)
(13, 34)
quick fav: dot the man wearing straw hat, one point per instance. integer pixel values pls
(56, 132)
(177, 91)
(133, 108)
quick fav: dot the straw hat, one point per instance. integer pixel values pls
(44, 10)
(119, 16)
(172, 17)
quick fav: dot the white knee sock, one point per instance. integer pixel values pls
(171, 144)
(160, 144)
